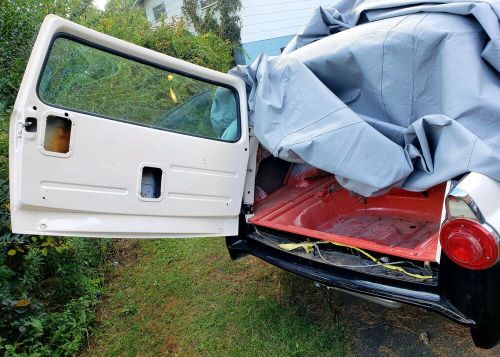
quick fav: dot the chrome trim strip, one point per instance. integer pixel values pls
(457, 194)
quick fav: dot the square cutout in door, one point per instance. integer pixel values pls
(151, 182)
(57, 134)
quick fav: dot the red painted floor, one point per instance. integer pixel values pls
(399, 223)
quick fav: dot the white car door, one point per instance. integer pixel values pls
(109, 139)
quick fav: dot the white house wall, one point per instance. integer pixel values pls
(263, 19)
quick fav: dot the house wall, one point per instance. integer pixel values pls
(269, 25)
(264, 19)
(271, 46)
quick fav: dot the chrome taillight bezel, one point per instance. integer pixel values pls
(466, 204)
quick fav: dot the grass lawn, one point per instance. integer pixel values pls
(187, 298)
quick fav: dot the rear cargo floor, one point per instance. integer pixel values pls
(399, 223)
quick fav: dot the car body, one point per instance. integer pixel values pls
(94, 160)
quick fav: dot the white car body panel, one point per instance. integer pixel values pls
(92, 190)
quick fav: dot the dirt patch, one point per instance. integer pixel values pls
(125, 251)
(170, 347)
(254, 270)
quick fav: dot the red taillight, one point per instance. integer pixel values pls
(469, 244)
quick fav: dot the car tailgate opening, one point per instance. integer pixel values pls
(312, 204)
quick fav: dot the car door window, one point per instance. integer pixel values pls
(97, 81)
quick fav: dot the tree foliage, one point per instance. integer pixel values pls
(221, 18)
(21, 19)
(19, 22)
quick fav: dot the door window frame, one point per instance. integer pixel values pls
(142, 61)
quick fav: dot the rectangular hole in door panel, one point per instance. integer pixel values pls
(151, 182)
(30, 125)
(57, 134)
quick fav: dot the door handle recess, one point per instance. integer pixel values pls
(30, 125)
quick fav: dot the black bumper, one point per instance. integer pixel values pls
(376, 286)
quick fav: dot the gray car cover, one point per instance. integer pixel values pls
(385, 93)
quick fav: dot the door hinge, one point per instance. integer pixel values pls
(247, 208)
(30, 124)
(19, 131)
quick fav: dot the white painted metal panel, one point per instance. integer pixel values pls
(93, 190)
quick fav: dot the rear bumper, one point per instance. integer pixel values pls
(426, 296)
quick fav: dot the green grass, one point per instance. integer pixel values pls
(186, 297)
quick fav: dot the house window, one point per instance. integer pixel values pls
(207, 3)
(159, 11)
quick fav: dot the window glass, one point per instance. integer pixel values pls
(94, 81)
(159, 11)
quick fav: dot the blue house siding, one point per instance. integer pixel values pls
(271, 46)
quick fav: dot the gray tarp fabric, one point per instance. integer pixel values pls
(385, 93)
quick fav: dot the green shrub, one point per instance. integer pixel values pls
(49, 286)
(48, 292)
(21, 19)
(19, 23)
